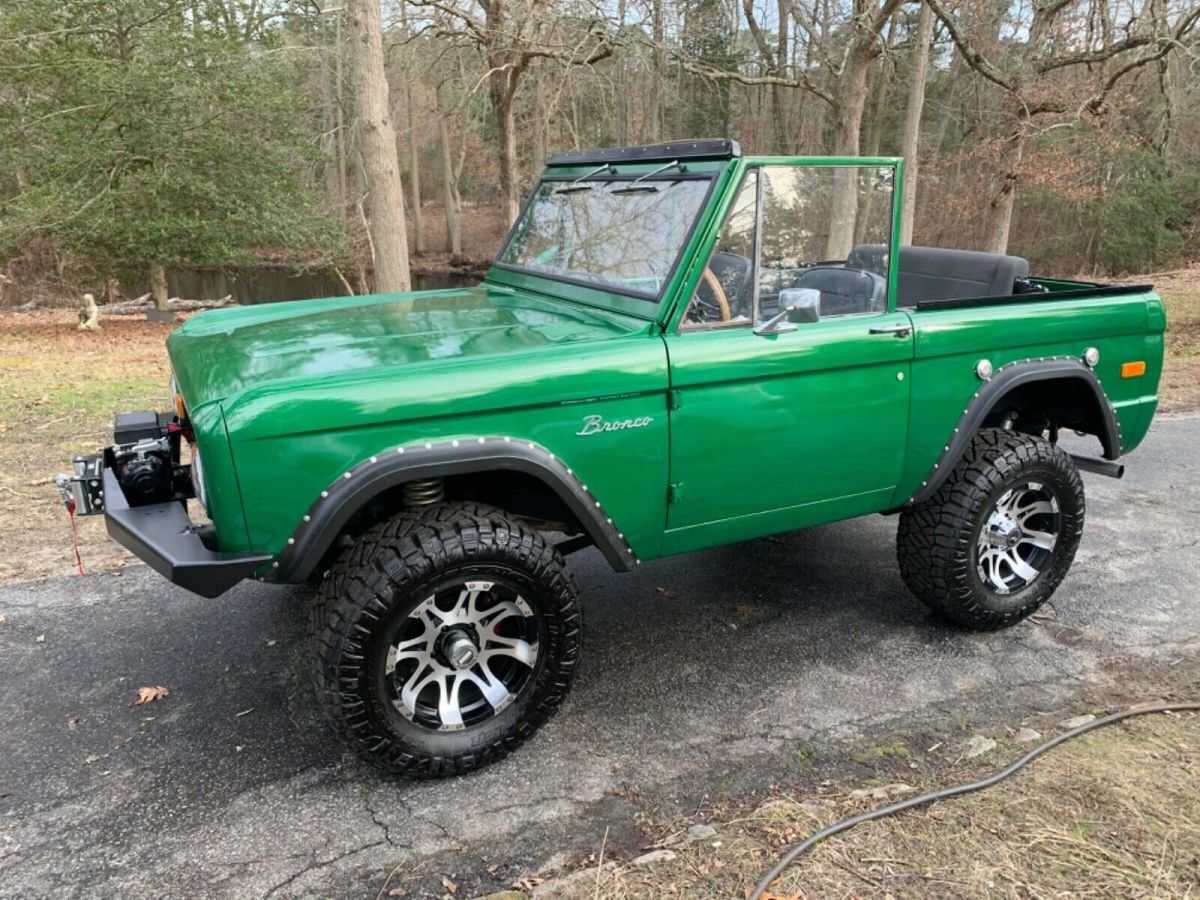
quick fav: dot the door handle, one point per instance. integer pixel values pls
(900, 331)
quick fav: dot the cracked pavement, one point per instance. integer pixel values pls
(700, 674)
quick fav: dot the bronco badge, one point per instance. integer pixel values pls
(596, 424)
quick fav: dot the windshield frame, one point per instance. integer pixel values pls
(654, 299)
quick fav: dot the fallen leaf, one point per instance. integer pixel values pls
(149, 695)
(449, 885)
(654, 856)
(884, 792)
(72, 721)
(979, 745)
(1078, 721)
(91, 759)
(271, 642)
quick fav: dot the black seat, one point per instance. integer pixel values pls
(845, 291)
(932, 273)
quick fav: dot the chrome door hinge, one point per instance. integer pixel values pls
(673, 399)
(674, 492)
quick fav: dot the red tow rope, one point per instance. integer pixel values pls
(74, 535)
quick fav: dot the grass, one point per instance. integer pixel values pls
(1180, 386)
(59, 389)
(1113, 814)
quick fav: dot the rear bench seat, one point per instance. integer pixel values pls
(931, 273)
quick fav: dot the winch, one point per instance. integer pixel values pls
(145, 458)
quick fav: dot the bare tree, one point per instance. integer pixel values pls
(512, 34)
(383, 203)
(1061, 70)
(910, 142)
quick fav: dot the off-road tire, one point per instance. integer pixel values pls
(936, 544)
(392, 569)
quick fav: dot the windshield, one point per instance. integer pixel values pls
(616, 234)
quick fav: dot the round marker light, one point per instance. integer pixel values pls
(1091, 356)
(983, 369)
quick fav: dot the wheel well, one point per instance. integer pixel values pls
(1050, 404)
(519, 494)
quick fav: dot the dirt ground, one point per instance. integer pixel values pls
(1076, 823)
(60, 388)
(1180, 387)
(59, 391)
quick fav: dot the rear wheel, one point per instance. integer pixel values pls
(444, 639)
(996, 540)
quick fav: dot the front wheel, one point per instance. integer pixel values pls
(444, 639)
(999, 535)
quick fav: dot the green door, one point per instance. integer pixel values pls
(775, 429)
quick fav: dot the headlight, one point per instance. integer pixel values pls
(198, 478)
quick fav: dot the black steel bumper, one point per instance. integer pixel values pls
(164, 538)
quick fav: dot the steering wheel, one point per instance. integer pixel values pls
(720, 304)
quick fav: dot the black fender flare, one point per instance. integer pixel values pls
(330, 512)
(1003, 380)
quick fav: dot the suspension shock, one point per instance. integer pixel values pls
(424, 492)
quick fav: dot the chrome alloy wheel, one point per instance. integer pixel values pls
(462, 656)
(1018, 537)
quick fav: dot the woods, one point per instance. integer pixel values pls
(138, 138)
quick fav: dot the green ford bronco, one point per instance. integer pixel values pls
(664, 325)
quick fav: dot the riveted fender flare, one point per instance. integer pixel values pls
(332, 509)
(1005, 379)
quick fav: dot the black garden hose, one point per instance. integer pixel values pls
(956, 790)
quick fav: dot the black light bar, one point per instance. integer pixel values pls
(722, 148)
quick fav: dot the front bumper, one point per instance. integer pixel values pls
(157, 530)
(162, 536)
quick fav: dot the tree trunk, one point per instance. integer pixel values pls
(501, 89)
(384, 202)
(909, 144)
(1000, 207)
(654, 108)
(339, 116)
(450, 198)
(852, 100)
(415, 176)
(158, 285)
(779, 117)
(413, 156)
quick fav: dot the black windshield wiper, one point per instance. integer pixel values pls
(636, 187)
(577, 184)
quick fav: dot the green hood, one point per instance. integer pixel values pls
(219, 353)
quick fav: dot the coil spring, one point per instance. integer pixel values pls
(424, 492)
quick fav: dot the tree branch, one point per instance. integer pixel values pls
(974, 58)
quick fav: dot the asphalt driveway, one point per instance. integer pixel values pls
(699, 674)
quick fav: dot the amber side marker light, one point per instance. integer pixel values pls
(1133, 369)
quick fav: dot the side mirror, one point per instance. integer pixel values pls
(802, 304)
(796, 306)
